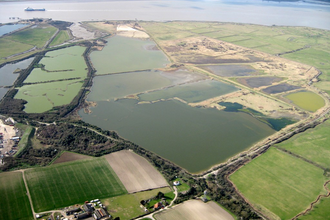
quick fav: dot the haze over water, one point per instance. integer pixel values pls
(300, 13)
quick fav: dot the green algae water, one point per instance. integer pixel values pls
(123, 54)
(194, 138)
(306, 100)
(60, 64)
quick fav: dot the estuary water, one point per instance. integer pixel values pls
(288, 13)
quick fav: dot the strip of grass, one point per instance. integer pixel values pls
(36, 36)
(14, 201)
(60, 38)
(313, 144)
(24, 139)
(279, 184)
(70, 183)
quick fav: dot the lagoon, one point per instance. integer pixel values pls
(306, 100)
(194, 138)
(7, 75)
(191, 92)
(5, 29)
(60, 64)
(3, 92)
(123, 54)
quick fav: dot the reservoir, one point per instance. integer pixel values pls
(194, 138)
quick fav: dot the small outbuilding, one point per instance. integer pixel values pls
(176, 183)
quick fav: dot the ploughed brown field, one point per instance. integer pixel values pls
(135, 172)
(195, 210)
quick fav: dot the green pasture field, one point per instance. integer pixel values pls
(43, 97)
(315, 57)
(321, 211)
(9, 47)
(306, 100)
(60, 38)
(14, 201)
(279, 184)
(71, 183)
(313, 144)
(36, 36)
(61, 64)
(270, 39)
(162, 31)
(128, 206)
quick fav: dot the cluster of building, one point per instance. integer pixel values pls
(93, 210)
(9, 137)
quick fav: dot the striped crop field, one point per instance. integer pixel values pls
(14, 200)
(71, 183)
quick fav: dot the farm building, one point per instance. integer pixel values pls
(83, 215)
(158, 205)
(72, 210)
(87, 207)
(101, 214)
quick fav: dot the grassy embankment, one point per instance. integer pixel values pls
(24, 40)
(27, 132)
(60, 38)
(14, 201)
(70, 183)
